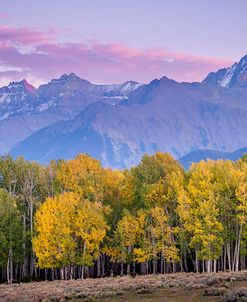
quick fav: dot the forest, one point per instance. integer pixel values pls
(76, 219)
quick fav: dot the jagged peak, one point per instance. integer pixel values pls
(162, 81)
(29, 87)
(227, 77)
(165, 79)
(23, 84)
(70, 77)
(243, 60)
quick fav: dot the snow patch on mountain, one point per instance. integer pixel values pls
(236, 75)
(45, 106)
(60, 99)
(225, 82)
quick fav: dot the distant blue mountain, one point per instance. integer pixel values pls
(119, 123)
(198, 155)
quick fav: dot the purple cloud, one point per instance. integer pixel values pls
(25, 35)
(38, 56)
(4, 16)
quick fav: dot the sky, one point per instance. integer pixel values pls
(112, 41)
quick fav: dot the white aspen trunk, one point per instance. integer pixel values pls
(228, 248)
(71, 272)
(84, 252)
(7, 271)
(62, 273)
(224, 261)
(203, 266)
(215, 265)
(208, 266)
(174, 267)
(238, 249)
(10, 267)
(197, 264)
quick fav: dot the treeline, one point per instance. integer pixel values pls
(76, 219)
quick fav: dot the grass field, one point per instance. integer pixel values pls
(185, 287)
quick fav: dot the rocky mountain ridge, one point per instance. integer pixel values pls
(119, 123)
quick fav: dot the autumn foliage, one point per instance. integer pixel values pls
(76, 219)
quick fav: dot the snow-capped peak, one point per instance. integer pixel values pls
(236, 75)
(227, 79)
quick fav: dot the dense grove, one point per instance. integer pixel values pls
(76, 219)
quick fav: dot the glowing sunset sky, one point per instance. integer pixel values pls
(108, 41)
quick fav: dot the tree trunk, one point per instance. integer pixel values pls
(197, 263)
(103, 263)
(238, 249)
(134, 267)
(215, 265)
(25, 260)
(128, 264)
(147, 268)
(10, 267)
(162, 263)
(62, 273)
(122, 269)
(99, 266)
(185, 262)
(228, 249)
(154, 266)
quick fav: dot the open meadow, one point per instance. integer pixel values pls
(187, 287)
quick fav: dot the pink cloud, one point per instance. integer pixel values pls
(4, 16)
(96, 61)
(26, 35)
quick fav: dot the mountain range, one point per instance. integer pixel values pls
(119, 123)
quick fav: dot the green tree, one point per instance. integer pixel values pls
(10, 234)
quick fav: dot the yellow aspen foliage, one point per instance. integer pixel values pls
(125, 237)
(241, 193)
(69, 231)
(128, 228)
(82, 175)
(141, 255)
(204, 222)
(162, 235)
(241, 210)
(112, 182)
(90, 228)
(54, 244)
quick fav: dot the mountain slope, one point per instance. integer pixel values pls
(25, 109)
(118, 123)
(163, 115)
